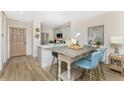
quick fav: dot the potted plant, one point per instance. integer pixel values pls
(98, 43)
(51, 41)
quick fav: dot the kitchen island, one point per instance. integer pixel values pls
(44, 54)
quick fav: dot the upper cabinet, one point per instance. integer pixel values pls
(62, 31)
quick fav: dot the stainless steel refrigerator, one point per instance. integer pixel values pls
(44, 38)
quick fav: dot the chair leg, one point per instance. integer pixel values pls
(90, 73)
(97, 71)
(64, 66)
(83, 74)
(52, 64)
(102, 71)
(57, 69)
(80, 77)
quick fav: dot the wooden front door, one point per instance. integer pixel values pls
(17, 41)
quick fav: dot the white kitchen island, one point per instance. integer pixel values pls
(45, 54)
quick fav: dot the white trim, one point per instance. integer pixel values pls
(0, 38)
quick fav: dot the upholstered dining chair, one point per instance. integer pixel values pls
(89, 65)
(102, 51)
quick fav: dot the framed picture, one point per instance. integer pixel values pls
(96, 34)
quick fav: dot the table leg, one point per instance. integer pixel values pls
(59, 70)
(90, 72)
(122, 72)
(69, 71)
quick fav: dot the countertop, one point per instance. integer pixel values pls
(48, 46)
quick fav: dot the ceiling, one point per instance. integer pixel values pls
(52, 18)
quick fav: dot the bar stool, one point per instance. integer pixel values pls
(55, 55)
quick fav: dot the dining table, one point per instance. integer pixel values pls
(69, 56)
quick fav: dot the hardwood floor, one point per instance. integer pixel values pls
(24, 68)
(110, 75)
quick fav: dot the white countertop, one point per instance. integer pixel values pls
(51, 45)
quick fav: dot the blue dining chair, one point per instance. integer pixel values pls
(101, 55)
(102, 51)
(89, 65)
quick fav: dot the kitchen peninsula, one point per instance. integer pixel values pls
(44, 54)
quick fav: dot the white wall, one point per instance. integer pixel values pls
(36, 41)
(0, 41)
(29, 39)
(113, 25)
(76, 26)
(3, 39)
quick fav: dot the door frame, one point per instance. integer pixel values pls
(9, 37)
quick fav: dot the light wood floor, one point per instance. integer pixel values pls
(110, 75)
(24, 68)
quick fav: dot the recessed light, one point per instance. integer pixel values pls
(21, 13)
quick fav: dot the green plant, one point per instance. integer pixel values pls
(98, 42)
(51, 41)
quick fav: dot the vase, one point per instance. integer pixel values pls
(98, 46)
